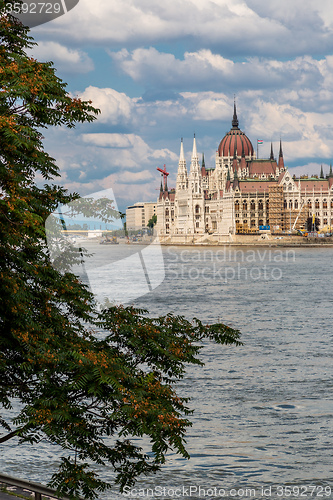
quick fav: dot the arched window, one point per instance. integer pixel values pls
(244, 206)
(324, 203)
(260, 205)
(197, 209)
(317, 204)
(296, 204)
(261, 222)
(290, 204)
(285, 204)
(166, 212)
(237, 206)
(253, 223)
(253, 205)
(309, 204)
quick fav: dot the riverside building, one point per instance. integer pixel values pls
(242, 194)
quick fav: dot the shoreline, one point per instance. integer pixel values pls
(241, 241)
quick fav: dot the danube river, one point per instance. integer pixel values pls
(263, 420)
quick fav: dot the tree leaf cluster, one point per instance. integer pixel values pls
(89, 394)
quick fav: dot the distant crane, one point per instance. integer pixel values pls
(299, 213)
(165, 175)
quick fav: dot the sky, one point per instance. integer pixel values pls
(160, 71)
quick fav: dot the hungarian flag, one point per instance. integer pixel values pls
(260, 141)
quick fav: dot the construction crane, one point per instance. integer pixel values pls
(165, 175)
(299, 213)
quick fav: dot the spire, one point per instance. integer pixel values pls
(243, 161)
(182, 171)
(321, 172)
(234, 118)
(194, 152)
(281, 162)
(161, 188)
(272, 154)
(181, 156)
(203, 166)
(331, 173)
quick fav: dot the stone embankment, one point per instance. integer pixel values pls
(270, 240)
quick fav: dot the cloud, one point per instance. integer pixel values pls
(304, 134)
(310, 169)
(205, 70)
(116, 107)
(65, 60)
(237, 27)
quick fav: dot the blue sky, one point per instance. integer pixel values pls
(162, 71)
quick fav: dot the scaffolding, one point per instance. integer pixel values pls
(283, 218)
(276, 208)
(295, 219)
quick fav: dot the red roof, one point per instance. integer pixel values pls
(259, 167)
(315, 184)
(235, 142)
(250, 186)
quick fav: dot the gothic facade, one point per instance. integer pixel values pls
(241, 194)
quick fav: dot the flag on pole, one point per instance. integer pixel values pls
(260, 141)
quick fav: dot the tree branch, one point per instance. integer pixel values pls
(9, 436)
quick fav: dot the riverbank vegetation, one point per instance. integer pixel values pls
(87, 394)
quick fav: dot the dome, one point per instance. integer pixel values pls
(235, 142)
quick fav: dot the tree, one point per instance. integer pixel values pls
(152, 221)
(88, 395)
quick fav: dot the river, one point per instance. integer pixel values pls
(263, 420)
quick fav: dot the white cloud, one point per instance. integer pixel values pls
(65, 60)
(304, 134)
(116, 107)
(205, 70)
(251, 27)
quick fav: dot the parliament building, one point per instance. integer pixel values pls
(242, 194)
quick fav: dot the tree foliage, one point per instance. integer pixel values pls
(151, 223)
(89, 394)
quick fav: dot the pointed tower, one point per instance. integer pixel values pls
(281, 162)
(330, 174)
(195, 173)
(203, 166)
(161, 190)
(181, 182)
(242, 165)
(234, 163)
(272, 154)
(321, 172)
(235, 123)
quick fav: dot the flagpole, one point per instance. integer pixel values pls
(259, 143)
